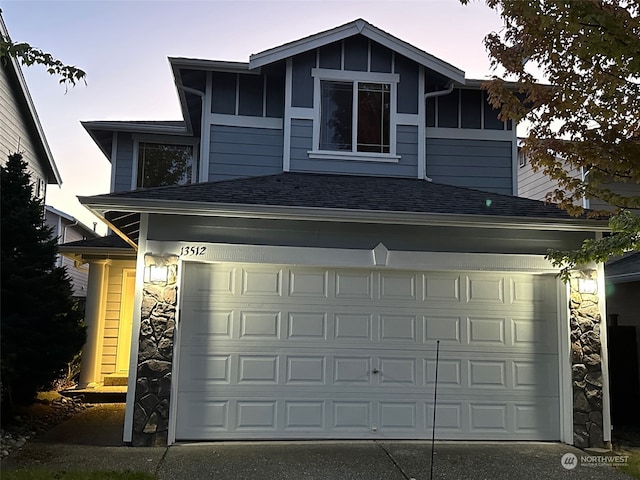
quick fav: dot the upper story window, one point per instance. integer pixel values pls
(355, 113)
(164, 164)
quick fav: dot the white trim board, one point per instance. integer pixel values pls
(355, 258)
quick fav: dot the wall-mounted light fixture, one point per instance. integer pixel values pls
(156, 274)
(587, 285)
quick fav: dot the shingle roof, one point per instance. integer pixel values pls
(625, 266)
(350, 193)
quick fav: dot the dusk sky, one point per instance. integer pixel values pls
(123, 46)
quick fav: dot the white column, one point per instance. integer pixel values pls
(94, 319)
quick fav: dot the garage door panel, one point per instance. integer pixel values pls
(256, 282)
(401, 372)
(305, 415)
(485, 290)
(349, 417)
(354, 285)
(353, 327)
(259, 324)
(447, 329)
(486, 331)
(398, 286)
(308, 283)
(300, 352)
(441, 288)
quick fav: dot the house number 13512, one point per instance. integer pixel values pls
(192, 251)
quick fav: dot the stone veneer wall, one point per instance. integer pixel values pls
(586, 364)
(155, 354)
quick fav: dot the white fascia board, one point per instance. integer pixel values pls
(210, 65)
(415, 54)
(353, 28)
(133, 127)
(182, 98)
(59, 213)
(296, 47)
(275, 212)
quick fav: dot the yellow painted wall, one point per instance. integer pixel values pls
(112, 316)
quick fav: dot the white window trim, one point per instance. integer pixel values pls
(392, 79)
(161, 139)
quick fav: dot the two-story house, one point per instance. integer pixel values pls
(291, 254)
(20, 128)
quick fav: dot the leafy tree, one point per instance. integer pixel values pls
(28, 55)
(588, 116)
(41, 329)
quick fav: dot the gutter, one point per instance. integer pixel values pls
(277, 212)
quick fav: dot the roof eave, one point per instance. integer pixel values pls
(353, 28)
(133, 127)
(174, 207)
(209, 65)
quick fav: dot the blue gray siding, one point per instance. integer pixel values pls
(301, 141)
(463, 108)
(253, 92)
(244, 151)
(123, 163)
(480, 164)
(407, 148)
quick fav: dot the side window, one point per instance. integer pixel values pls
(367, 127)
(164, 164)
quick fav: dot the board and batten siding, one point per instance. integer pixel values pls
(14, 130)
(244, 151)
(123, 163)
(479, 164)
(112, 316)
(406, 148)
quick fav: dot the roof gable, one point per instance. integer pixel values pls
(356, 27)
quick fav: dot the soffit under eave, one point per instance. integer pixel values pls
(121, 214)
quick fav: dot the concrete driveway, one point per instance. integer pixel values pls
(92, 440)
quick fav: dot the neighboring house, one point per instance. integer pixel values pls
(289, 255)
(622, 289)
(67, 229)
(20, 129)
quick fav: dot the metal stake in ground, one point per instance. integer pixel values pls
(435, 397)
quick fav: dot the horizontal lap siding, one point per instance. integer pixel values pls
(407, 149)
(78, 277)
(244, 152)
(14, 132)
(479, 164)
(112, 317)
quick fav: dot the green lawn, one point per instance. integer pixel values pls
(633, 465)
(74, 475)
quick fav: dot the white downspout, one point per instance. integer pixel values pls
(440, 93)
(201, 155)
(427, 95)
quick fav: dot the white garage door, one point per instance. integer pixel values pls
(274, 352)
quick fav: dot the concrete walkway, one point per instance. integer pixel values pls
(92, 441)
